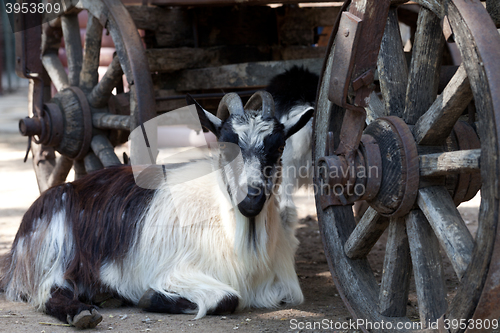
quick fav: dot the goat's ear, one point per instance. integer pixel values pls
(207, 120)
(294, 124)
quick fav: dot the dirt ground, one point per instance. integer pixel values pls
(18, 189)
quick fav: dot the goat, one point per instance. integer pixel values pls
(105, 235)
(294, 92)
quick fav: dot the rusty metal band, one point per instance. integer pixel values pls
(410, 166)
(87, 122)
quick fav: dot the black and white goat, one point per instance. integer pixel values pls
(294, 92)
(104, 235)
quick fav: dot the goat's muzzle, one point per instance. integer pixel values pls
(253, 203)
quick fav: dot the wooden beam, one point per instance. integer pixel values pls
(246, 75)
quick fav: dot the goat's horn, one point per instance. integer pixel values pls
(261, 99)
(230, 104)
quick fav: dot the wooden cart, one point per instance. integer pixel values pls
(428, 152)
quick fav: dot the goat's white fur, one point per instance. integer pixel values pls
(196, 247)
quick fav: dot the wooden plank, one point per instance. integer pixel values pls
(367, 232)
(73, 46)
(174, 59)
(449, 227)
(91, 54)
(246, 75)
(170, 27)
(296, 25)
(423, 78)
(427, 268)
(392, 67)
(396, 273)
(436, 124)
(440, 164)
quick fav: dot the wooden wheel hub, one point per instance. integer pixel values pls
(383, 170)
(65, 124)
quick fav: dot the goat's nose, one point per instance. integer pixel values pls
(254, 192)
(253, 202)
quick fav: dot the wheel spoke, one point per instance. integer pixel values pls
(436, 124)
(103, 149)
(427, 267)
(396, 273)
(55, 69)
(424, 70)
(100, 94)
(449, 227)
(73, 45)
(92, 162)
(365, 235)
(61, 170)
(439, 164)
(375, 109)
(392, 67)
(89, 75)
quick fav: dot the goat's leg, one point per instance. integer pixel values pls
(64, 307)
(154, 301)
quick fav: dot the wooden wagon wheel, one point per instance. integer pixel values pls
(80, 119)
(428, 162)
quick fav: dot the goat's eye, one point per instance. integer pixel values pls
(280, 149)
(222, 145)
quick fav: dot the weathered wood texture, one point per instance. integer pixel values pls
(79, 168)
(61, 169)
(427, 267)
(89, 75)
(110, 121)
(439, 164)
(73, 46)
(92, 162)
(367, 232)
(175, 59)
(386, 201)
(103, 149)
(392, 67)
(423, 78)
(375, 108)
(396, 272)
(100, 94)
(55, 69)
(436, 124)
(449, 227)
(240, 75)
(296, 26)
(231, 25)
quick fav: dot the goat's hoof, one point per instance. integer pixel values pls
(146, 300)
(85, 319)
